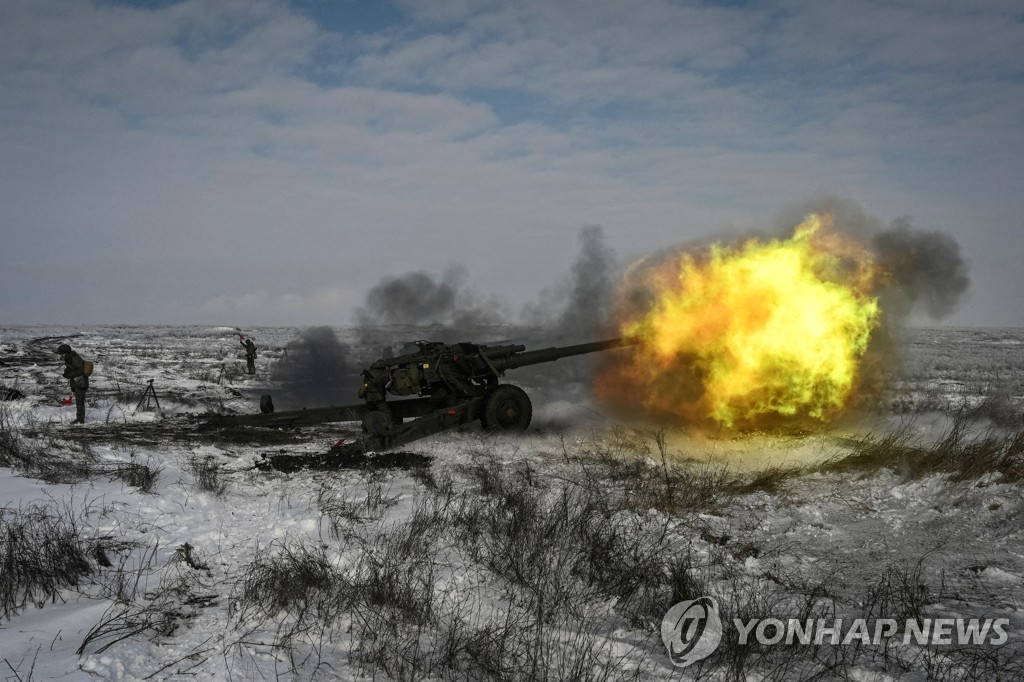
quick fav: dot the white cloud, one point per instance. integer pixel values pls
(566, 51)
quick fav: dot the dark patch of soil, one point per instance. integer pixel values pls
(344, 458)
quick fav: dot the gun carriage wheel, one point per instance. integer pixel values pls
(507, 408)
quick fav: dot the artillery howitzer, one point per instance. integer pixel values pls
(453, 384)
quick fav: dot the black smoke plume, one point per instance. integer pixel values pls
(451, 310)
(314, 371)
(576, 310)
(579, 307)
(929, 274)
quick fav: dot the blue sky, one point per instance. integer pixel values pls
(261, 162)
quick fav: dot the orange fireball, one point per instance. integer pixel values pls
(743, 335)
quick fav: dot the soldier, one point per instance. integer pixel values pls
(250, 353)
(74, 372)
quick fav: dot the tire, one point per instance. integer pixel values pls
(507, 408)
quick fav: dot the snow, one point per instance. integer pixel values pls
(835, 535)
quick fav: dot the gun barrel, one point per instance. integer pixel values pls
(506, 361)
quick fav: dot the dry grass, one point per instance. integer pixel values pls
(42, 553)
(958, 453)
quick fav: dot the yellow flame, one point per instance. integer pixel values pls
(765, 329)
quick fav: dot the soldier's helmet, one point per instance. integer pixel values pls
(63, 349)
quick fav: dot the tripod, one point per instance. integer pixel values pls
(149, 395)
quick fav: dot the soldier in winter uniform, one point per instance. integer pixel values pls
(74, 372)
(250, 353)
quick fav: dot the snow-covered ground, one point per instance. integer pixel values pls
(548, 555)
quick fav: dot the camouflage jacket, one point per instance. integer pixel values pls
(74, 371)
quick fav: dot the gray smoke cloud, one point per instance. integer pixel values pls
(579, 306)
(448, 310)
(314, 371)
(446, 305)
(928, 270)
(575, 310)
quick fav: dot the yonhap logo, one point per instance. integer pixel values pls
(691, 630)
